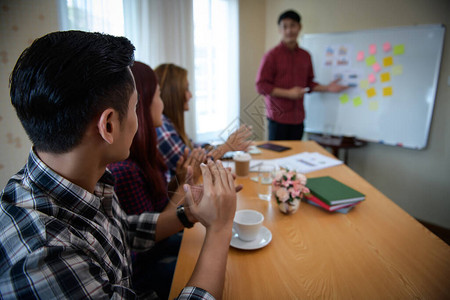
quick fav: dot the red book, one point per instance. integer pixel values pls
(316, 200)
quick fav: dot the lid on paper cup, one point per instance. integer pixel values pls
(242, 156)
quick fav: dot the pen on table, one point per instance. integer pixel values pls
(257, 165)
(306, 162)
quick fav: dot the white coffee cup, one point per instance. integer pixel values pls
(242, 163)
(247, 223)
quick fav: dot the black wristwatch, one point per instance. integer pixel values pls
(181, 214)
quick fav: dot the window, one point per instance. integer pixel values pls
(216, 68)
(215, 58)
(96, 16)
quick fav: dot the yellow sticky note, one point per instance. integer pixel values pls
(344, 98)
(371, 92)
(387, 91)
(364, 84)
(357, 101)
(385, 77)
(399, 49)
(388, 61)
(370, 60)
(373, 105)
(397, 70)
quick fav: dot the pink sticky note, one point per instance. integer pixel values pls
(360, 56)
(372, 49)
(376, 67)
(387, 47)
(372, 78)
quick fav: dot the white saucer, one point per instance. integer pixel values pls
(263, 239)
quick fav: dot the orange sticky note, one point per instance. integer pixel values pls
(387, 91)
(385, 77)
(388, 61)
(357, 101)
(371, 92)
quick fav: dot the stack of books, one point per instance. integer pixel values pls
(332, 195)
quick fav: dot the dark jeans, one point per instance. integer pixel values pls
(285, 132)
(153, 270)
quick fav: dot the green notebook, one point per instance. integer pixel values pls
(333, 192)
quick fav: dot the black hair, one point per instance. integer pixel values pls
(64, 80)
(290, 14)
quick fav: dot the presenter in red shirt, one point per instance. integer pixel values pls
(284, 76)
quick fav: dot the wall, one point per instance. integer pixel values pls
(252, 24)
(21, 21)
(418, 181)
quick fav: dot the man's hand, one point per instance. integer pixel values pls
(334, 87)
(217, 206)
(297, 92)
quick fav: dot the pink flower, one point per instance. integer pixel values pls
(287, 183)
(295, 192)
(301, 178)
(282, 195)
(279, 175)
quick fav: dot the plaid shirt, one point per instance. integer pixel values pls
(170, 145)
(284, 68)
(133, 190)
(60, 241)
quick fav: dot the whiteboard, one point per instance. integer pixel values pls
(393, 74)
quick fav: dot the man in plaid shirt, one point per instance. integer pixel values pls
(63, 233)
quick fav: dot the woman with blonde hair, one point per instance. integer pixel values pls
(173, 142)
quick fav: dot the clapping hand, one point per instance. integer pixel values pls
(217, 205)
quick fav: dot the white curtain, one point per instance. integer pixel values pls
(162, 32)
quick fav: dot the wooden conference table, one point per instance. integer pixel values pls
(376, 251)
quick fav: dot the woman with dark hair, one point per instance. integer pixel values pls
(141, 185)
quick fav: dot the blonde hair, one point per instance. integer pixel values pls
(172, 83)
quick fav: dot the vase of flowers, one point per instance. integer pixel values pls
(288, 188)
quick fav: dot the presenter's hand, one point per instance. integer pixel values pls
(297, 92)
(334, 87)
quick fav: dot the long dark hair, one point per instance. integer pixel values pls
(144, 149)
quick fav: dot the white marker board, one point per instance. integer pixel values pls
(393, 73)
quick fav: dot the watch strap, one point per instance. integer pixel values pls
(181, 214)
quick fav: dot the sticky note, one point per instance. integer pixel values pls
(387, 91)
(357, 101)
(387, 47)
(376, 67)
(370, 60)
(397, 70)
(399, 49)
(388, 61)
(371, 92)
(372, 49)
(373, 105)
(344, 98)
(364, 84)
(372, 78)
(360, 56)
(385, 77)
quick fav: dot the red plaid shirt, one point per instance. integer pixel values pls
(284, 68)
(133, 190)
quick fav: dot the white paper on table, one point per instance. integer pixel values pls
(306, 162)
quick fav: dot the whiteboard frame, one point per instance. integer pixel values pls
(431, 92)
